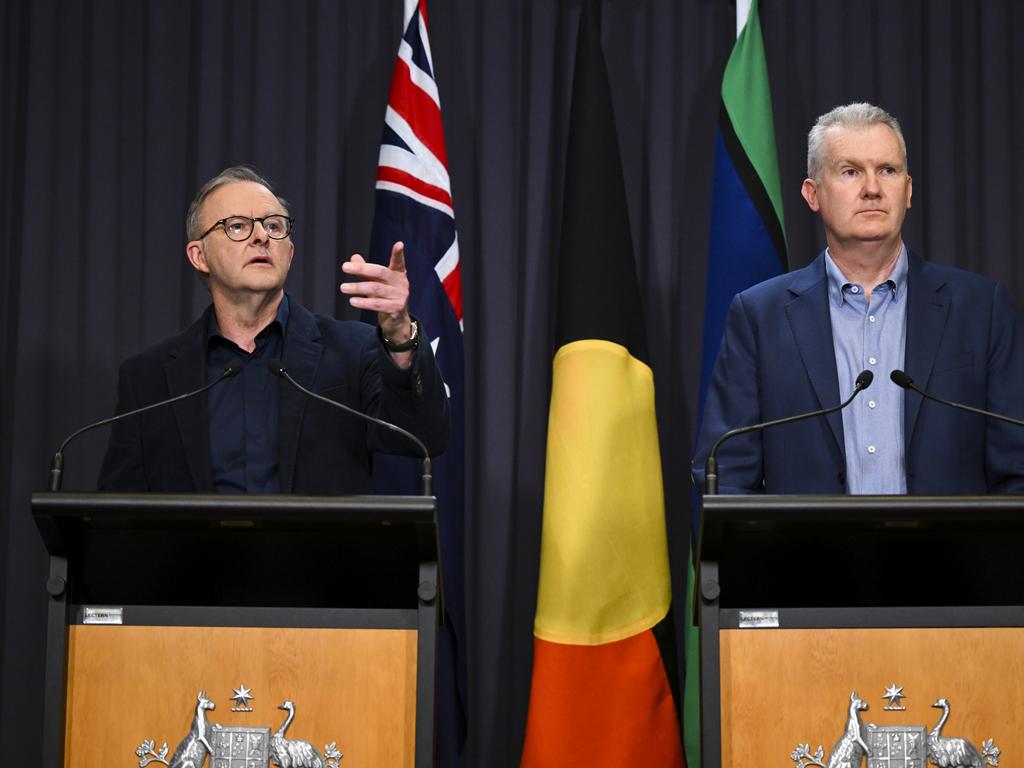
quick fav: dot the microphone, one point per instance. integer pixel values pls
(277, 368)
(57, 463)
(863, 381)
(900, 379)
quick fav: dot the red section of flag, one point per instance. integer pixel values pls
(453, 287)
(419, 110)
(385, 173)
(601, 705)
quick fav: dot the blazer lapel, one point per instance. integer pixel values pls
(927, 311)
(302, 352)
(186, 371)
(809, 320)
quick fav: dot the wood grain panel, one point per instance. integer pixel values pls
(784, 687)
(353, 686)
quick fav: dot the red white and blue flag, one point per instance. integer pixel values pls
(414, 205)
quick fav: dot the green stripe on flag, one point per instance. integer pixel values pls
(748, 99)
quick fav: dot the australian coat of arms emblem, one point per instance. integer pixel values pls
(238, 746)
(897, 746)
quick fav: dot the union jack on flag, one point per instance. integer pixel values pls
(414, 205)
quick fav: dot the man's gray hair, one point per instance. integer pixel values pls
(856, 115)
(228, 176)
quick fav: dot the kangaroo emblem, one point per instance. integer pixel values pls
(849, 750)
(193, 749)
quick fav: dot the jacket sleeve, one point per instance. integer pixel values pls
(1004, 443)
(733, 400)
(414, 398)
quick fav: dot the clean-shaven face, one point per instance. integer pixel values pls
(864, 190)
(257, 264)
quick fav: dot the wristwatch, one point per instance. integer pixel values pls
(411, 343)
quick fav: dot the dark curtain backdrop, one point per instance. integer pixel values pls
(114, 112)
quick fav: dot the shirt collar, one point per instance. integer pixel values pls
(280, 319)
(837, 282)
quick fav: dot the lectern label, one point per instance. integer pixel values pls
(759, 619)
(92, 614)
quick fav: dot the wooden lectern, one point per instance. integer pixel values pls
(330, 604)
(907, 601)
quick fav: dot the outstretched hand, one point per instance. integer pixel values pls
(380, 289)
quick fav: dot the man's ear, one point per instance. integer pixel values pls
(809, 189)
(197, 256)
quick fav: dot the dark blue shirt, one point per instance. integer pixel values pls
(243, 410)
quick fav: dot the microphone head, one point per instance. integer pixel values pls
(900, 379)
(233, 368)
(276, 367)
(864, 379)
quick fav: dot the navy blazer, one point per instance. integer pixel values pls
(321, 450)
(964, 343)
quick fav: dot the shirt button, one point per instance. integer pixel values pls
(871, 449)
(871, 403)
(855, 289)
(872, 360)
(871, 318)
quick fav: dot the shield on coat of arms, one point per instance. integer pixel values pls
(240, 747)
(897, 746)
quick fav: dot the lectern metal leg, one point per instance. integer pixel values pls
(426, 654)
(710, 667)
(55, 693)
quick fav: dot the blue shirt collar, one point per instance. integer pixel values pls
(838, 284)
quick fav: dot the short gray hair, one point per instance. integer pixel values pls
(856, 115)
(228, 176)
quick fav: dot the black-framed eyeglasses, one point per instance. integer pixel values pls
(238, 228)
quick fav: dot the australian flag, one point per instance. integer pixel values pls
(414, 205)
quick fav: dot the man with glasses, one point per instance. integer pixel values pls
(253, 433)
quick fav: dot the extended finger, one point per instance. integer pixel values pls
(387, 306)
(368, 288)
(397, 262)
(367, 270)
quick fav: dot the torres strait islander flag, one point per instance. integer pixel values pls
(414, 205)
(603, 666)
(747, 245)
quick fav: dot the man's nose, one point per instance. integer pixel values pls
(871, 186)
(259, 234)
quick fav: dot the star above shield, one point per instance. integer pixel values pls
(242, 696)
(894, 693)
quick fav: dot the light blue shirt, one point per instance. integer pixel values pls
(870, 334)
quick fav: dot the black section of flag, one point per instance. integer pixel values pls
(598, 290)
(752, 183)
(665, 634)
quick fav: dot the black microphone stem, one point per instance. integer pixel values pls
(278, 368)
(900, 379)
(57, 463)
(711, 465)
